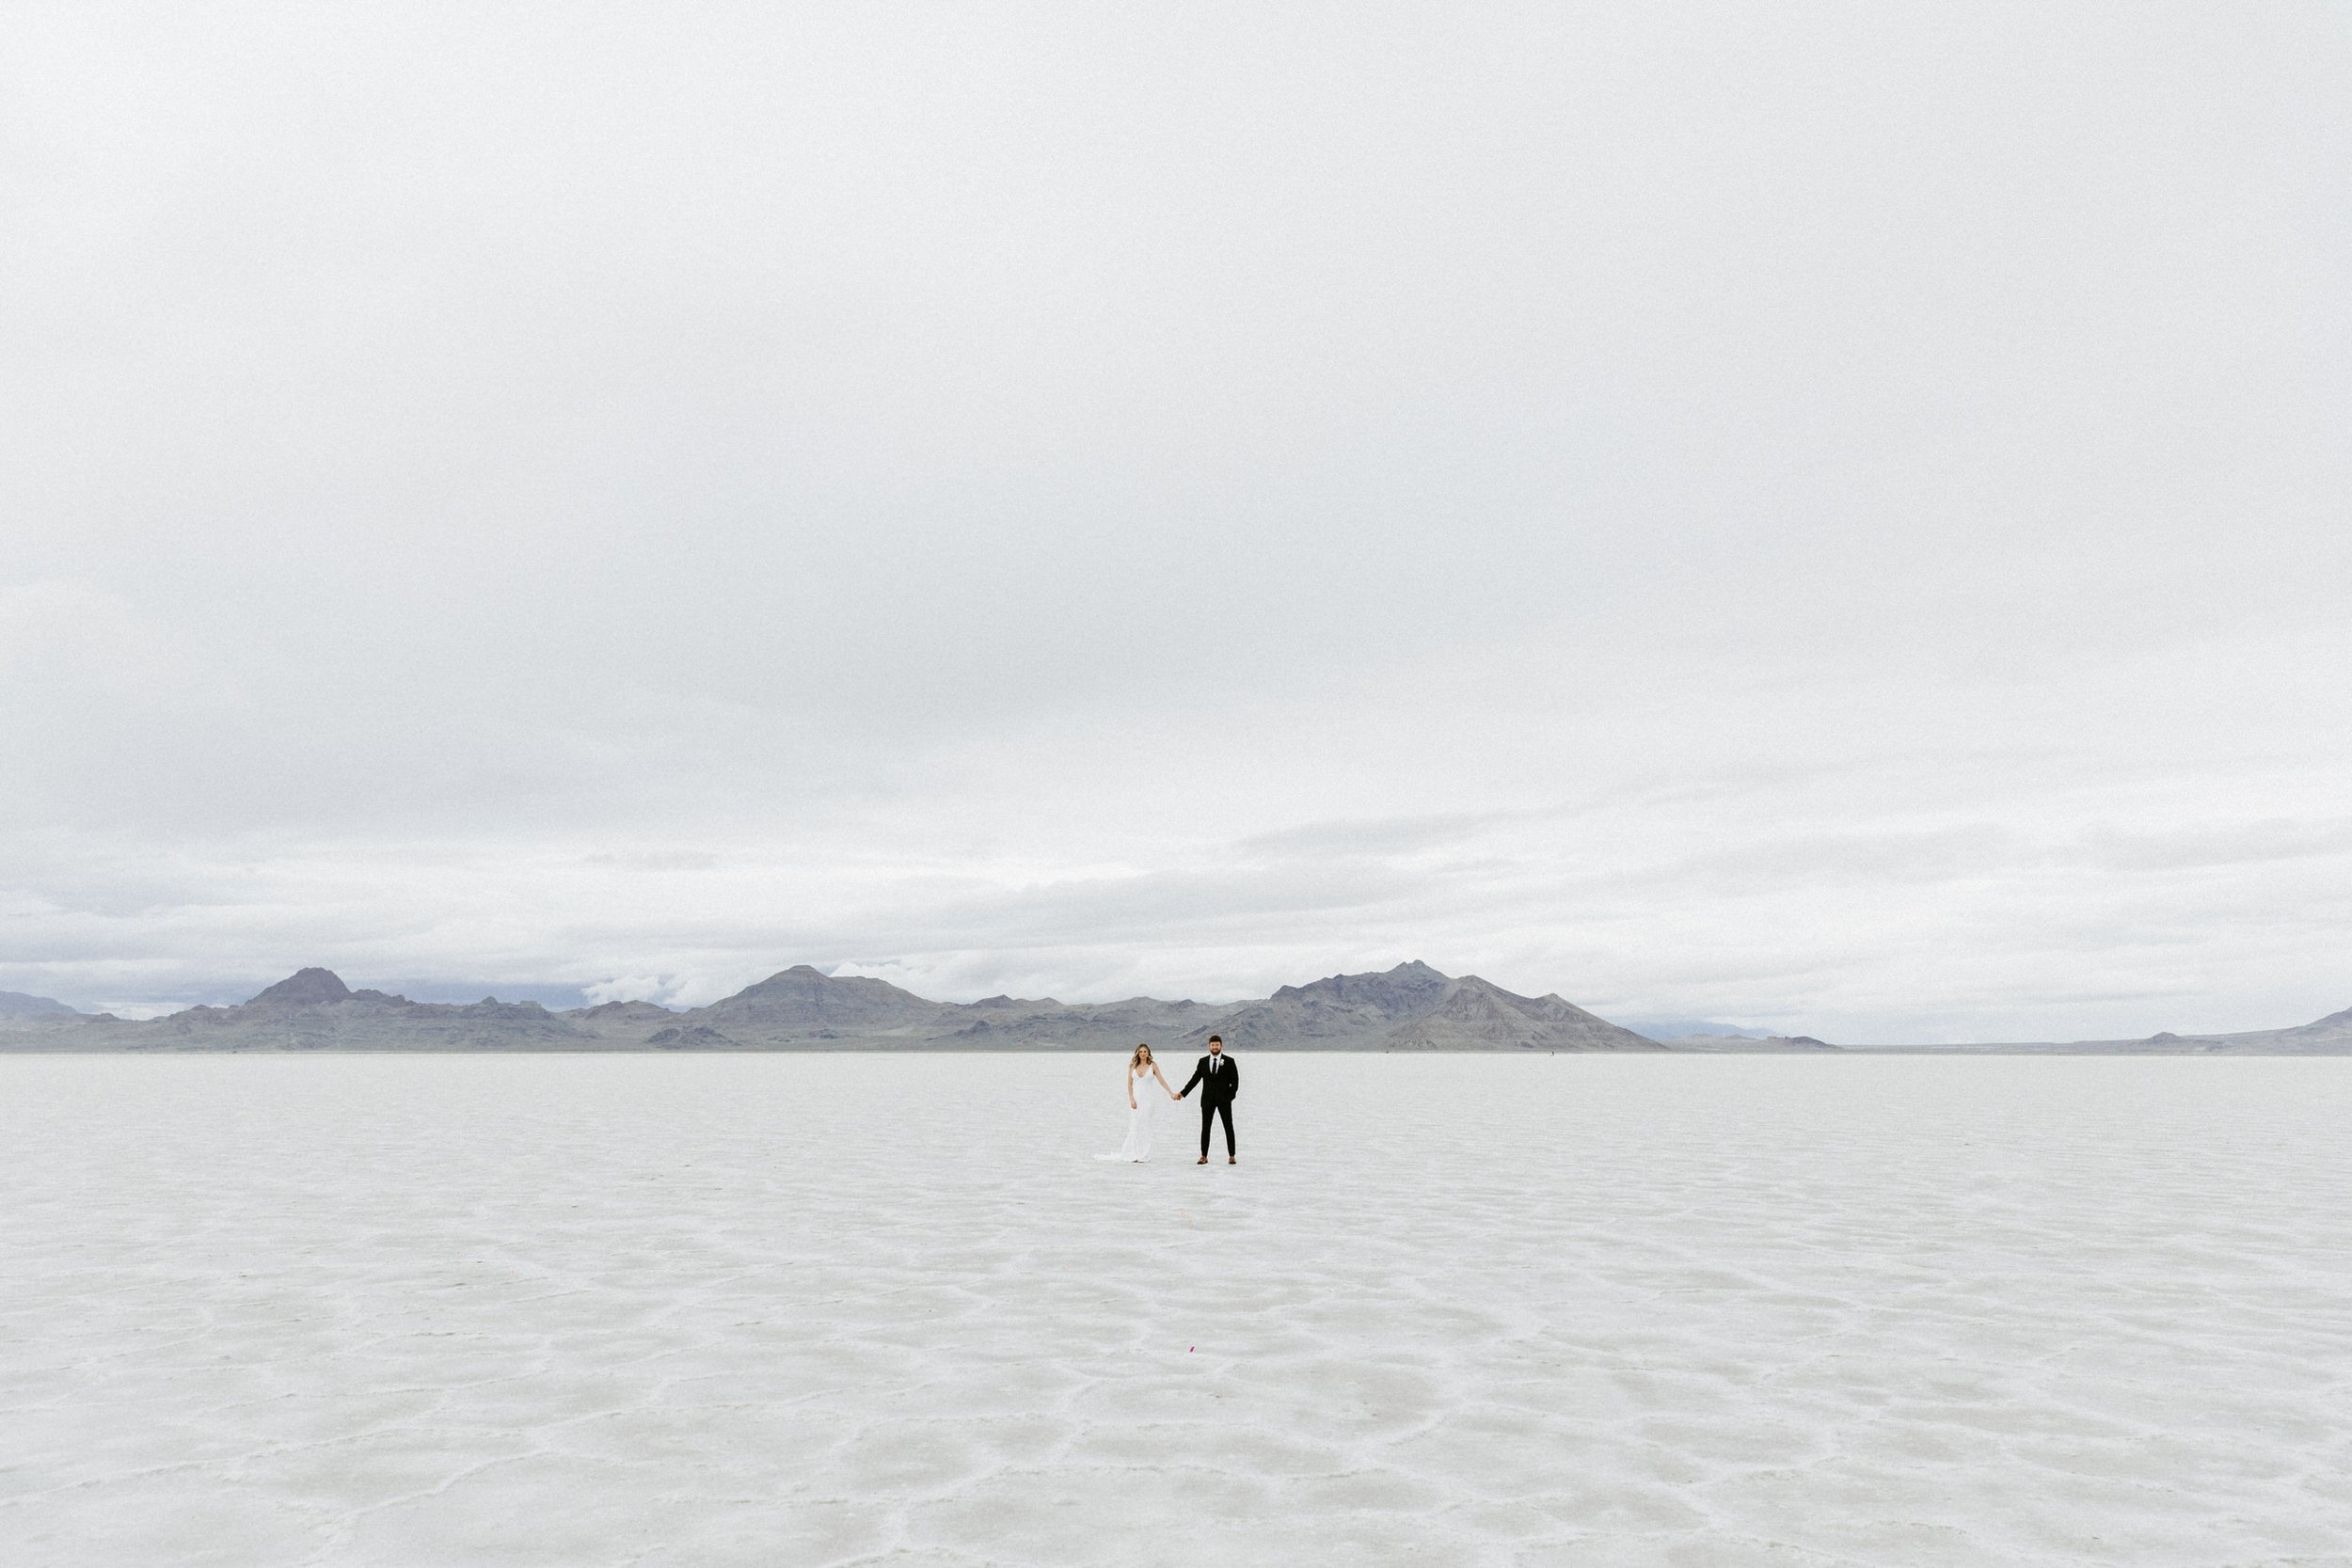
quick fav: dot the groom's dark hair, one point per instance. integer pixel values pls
(1216, 1040)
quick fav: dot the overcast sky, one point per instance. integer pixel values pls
(1829, 517)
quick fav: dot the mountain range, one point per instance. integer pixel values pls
(1410, 1007)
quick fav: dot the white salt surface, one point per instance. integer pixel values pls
(859, 1309)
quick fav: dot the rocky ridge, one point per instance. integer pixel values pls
(1410, 1007)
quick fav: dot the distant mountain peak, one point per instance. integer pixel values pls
(1408, 979)
(804, 976)
(17, 1003)
(806, 997)
(306, 987)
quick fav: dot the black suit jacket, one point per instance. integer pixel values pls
(1220, 1079)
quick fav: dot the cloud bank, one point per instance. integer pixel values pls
(1834, 520)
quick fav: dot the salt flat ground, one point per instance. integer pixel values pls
(794, 1311)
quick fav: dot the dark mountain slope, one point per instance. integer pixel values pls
(1475, 1015)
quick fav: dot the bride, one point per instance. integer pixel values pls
(1142, 1073)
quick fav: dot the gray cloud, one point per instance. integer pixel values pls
(1833, 518)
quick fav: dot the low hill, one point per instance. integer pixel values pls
(1665, 1030)
(2326, 1036)
(1724, 1044)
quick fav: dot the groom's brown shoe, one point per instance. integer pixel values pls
(1231, 1161)
(1202, 1160)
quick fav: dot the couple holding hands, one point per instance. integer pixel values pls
(1219, 1079)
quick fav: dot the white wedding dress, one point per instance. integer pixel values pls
(1138, 1145)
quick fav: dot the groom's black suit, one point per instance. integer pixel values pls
(1220, 1081)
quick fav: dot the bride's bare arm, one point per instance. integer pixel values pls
(1155, 1072)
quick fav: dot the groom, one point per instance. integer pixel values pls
(1220, 1081)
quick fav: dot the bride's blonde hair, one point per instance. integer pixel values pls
(1143, 1054)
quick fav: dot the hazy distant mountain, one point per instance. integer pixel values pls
(2327, 1036)
(2330, 1034)
(1664, 1029)
(314, 1010)
(622, 1020)
(1048, 1024)
(15, 1004)
(1725, 1043)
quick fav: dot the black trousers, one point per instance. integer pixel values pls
(1212, 1109)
